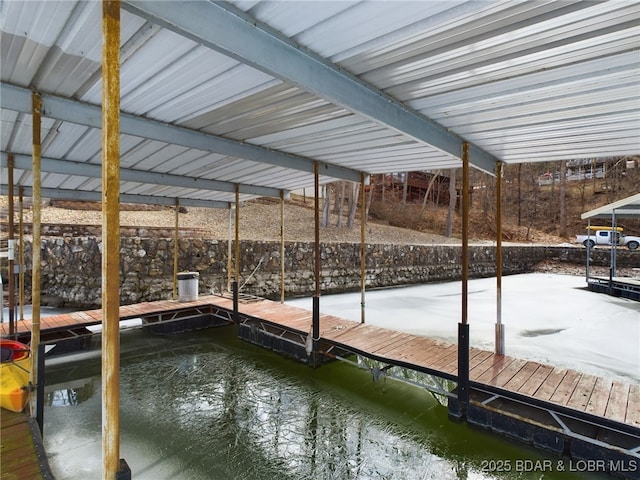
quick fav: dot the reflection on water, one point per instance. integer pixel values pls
(207, 406)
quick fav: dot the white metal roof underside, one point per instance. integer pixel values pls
(254, 92)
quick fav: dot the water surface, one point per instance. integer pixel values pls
(206, 405)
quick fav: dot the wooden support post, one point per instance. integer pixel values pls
(281, 246)
(176, 249)
(363, 248)
(499, 330)
(463, 326)
(111, 464)
(36, 102)
(11, 246)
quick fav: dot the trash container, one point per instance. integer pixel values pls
(188, 286)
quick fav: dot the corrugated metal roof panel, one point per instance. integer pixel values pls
(524, 81)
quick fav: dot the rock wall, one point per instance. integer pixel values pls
(71, 266)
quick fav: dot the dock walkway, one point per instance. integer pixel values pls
(611, 399)
(553, 408)
(21, 455)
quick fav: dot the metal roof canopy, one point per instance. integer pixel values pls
(626, 208)
(253, 94)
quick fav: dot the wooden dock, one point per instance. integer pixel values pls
(611, 399)
(21, 455)
(559, 403)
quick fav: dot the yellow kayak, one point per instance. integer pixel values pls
(14, 375)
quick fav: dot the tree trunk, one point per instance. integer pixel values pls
(426, 197)
(340, 204)
(405, 188)
(452, 203)
(563, 194)
(355, 188)
(326, 206)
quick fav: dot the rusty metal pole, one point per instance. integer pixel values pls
(229, 252)
(500, 346)
(236, 277)
(281, 246)
(315, 322)
(21, 251)
(463, 326)
(111, 466)
(11, 247)
(36, 101)
(363, 248)
(176, 249)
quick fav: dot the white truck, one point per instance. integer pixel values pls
(606, 236)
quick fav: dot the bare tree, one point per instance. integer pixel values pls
(426, 197)
(353, 203)
(405, 188)
(563, 199)
(326, 206)
(452, 203)
(340, 203)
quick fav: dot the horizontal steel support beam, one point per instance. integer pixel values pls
(84, 195)
(230, 31)
(82, 113)
(92, 170)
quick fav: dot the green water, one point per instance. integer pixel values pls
(206, 405)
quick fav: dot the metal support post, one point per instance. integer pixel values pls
(363, 248)
(315, 330)
(281, 246)
(500, 346)
(463, 326)
(11, 249)
(21, 252)
(236, 292)
(36, 101)
(111, 464)
(176, 248)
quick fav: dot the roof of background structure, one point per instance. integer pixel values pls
(626, 208)
(252, 93)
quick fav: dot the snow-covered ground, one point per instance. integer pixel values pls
(548, 318)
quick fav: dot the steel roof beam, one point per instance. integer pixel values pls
(82, 113)
(88, 196)
(230, 31)
(68, 167)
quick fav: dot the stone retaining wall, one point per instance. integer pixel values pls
(71, 266)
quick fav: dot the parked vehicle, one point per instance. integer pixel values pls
(607, 236)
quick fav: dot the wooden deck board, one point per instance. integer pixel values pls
(548, 388)
(597, 396)
(17, 449)
(618, 400)
(633, 408)
(582, 393)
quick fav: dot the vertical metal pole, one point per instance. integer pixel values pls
(588, 249)
(36, 101)
(363, 248)
(40, 390)
(499, 326)
(110, 239)
(281, 246)
(176, 249)
(614, 243)
(21, 252)
(236, 277)
(11, 242)
(229, 251)
(463, 326)
(315, 326)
